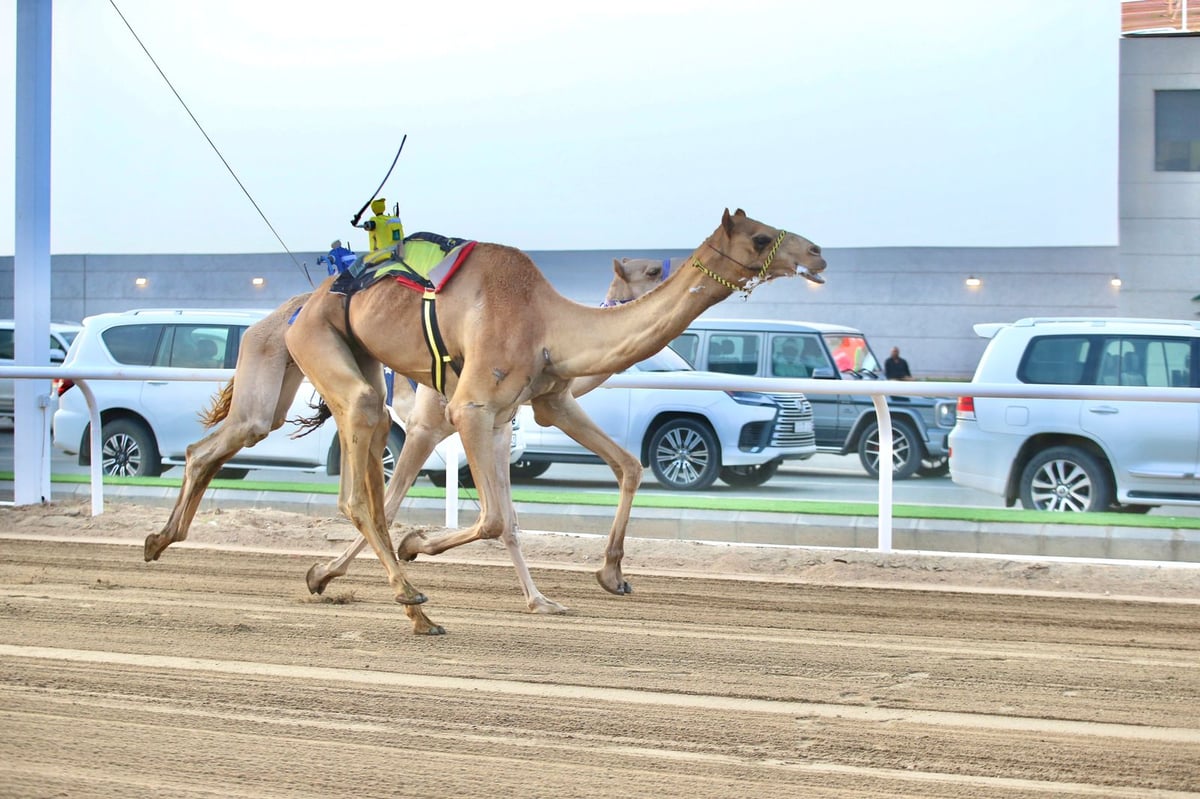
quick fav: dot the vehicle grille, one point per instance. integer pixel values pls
(794, 425)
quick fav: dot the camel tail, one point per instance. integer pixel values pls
(219, 408)
(307, 424)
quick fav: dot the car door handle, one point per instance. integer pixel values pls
(1105, 409)
(157, 382)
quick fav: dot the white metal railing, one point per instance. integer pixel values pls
(877, 390)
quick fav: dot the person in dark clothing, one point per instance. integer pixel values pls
(895, 367)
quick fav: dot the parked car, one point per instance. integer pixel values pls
(1083, 455)
(148, 424)
(688, 438)
(844, 423)
(61, 336)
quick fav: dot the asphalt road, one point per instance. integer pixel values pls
(823, 477)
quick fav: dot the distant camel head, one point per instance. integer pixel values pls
(764, 252)
(633, 277)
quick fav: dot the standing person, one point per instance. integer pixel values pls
(895, 367)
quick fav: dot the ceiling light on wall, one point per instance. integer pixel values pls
(1115, 282)
(258, 282)
(973, 282)
(141, 282)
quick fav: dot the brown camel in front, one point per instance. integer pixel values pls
(256, 401)
(517, 340)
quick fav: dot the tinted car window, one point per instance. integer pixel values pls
(134, 345)
(1055, 360)
(199, 346)
(733, 353)
(686, 345)
(1140, 361)
(851, 353)
(6, 344)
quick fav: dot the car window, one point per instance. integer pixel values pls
(686, 345)
(6, 345)
(796, 356)
(851, 353)
(198, 346)
(134, 345)
(733, 353)
(1140, 361)
(1055, 360)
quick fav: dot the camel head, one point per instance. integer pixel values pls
(633, 277)
(764, 253)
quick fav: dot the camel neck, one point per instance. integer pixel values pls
(612, 339)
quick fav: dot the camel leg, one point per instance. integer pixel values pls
(564, 411)
(265, 383)
(476, 422)
(352, 385)
(426, 428)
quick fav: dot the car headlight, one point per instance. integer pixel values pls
(944, 412)
(752, 398)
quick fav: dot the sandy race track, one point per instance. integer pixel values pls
(730, 672)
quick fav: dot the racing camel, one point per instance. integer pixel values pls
(511, 339)
(256, 401)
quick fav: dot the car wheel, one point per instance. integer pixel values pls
(684, 455)
(527, 470)
(750, 476)
(128, 449)
(1065, 479)
(906, 450)
(934, 467)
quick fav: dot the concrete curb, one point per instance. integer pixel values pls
(747, 527)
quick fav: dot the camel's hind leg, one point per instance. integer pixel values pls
(264, 384)
(352, 385)
(426, 427)
(564, 411)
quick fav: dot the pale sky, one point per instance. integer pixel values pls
(577, 125)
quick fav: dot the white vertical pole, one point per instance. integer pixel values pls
(884, 419)
(453, 449)
(31, 264)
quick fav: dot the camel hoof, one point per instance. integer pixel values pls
(415, 599)
(621, 588)
(316, 585)
(547, 606)
(402, 552)
(433, 629)
(154, 546)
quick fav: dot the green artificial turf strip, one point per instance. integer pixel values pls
(685, 501)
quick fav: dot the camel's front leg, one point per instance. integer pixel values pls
(564, 411)
(476, 424)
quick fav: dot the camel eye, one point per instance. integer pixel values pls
(761, 241)
(654, 271)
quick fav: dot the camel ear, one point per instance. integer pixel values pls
(727, 223)
(617, 268)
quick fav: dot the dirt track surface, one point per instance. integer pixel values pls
(213, 672)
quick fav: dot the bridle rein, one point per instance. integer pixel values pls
(762, 272)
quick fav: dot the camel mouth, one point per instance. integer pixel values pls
(811, 275)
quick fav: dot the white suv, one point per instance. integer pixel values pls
(688, 438)
(148, 424)
(1083, 455)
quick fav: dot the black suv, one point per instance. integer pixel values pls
(844, 423)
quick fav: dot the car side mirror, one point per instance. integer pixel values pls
(57, 355)
(822, 373)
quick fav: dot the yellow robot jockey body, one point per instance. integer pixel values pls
(384, 231)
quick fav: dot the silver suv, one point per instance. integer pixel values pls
(844, 423)
(1083, 455)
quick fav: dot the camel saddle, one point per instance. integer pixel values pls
(425, 264)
